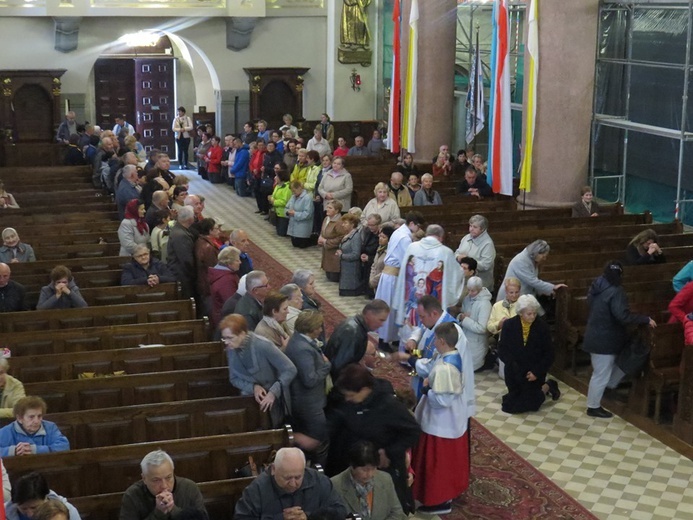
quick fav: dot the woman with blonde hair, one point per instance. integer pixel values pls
(12, 390)
(382, 205)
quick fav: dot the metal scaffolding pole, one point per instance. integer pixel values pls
(684, 107)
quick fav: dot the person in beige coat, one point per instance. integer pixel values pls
(12, 390)
(381, 204)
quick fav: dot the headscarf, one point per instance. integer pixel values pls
(131, 212)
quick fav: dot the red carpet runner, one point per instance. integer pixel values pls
(503, 484)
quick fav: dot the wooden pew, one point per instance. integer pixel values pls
(683, 420)
(30, 217)
(156, 387)
(45, 242)
(61, 367)
(160, 421)
(44, 176)
(663, 370)
(117, 294)
(113, 469)
(98, 206)
(105, 315)
(106, 337)
(220, 500)
(67, 228)
(69, 185)
(83, 279)
(76, 265)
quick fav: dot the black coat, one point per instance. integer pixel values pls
(609, 318)
(181, 257)
(381, 419)
(135, 274)
(13, 297)
(347, 344)
(536, 356)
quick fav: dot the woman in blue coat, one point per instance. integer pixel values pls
(300, 210)
(29, 433)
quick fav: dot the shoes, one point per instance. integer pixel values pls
(553, 389)
(259, 211)
(599, 412)
(440, 509)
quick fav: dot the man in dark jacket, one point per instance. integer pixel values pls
(473, 185)
(145, 270)
(181, 251)
(349, 341)
(606, 334)
(12, 294)
(250, 304)
(239, 240)
(289, 490)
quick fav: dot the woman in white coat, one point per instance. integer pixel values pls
(476, 309)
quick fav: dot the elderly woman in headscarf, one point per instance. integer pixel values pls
(133, 228)
(257, 367)
(525, 267)
(526, 349)
(13, 250)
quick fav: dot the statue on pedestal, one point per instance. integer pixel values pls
(355, 37)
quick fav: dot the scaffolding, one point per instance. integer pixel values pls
(626, 64)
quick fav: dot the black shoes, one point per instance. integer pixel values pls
(553, 389)
(599, 412)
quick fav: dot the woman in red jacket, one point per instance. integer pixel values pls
(213, 157)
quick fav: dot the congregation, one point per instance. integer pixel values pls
(429, 308)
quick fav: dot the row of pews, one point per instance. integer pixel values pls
(579, 250)
(133, 372)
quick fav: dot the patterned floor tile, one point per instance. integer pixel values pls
(615, 470)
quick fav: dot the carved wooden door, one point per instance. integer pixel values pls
(113, 84)
(155, 103)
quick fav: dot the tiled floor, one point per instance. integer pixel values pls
(614, 469)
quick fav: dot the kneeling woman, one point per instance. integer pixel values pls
(441, 458)
(526, 349)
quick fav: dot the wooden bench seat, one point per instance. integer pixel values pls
(96, 205)
(138, 360)
(663, 370)
(46, 243)
(106, 337)
(220, 500)
(44, 175)
(683, 419)
(113, 469)
(67, 228)
(112, 295)
(160, 421)
(68, 185)
(156, 387)
(30, 218)
(76, 265)
(105, 315)
(34, 281)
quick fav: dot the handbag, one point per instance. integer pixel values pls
(633, 358)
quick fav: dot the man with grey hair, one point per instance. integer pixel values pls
(295, 299)
(160, 494)
(100, 167)
(289, 491)
(181, 251)
(398, 191)
(477, 244)
(428, 267)
(195, 203)
(239, 240)
(250, 305)
(127, 190)
(67, 128)
(159, 203)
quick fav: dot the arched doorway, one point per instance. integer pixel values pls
(136, 79)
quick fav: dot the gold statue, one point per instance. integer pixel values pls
(354, 28)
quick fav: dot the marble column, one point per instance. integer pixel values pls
(436, 72)
(567, 46)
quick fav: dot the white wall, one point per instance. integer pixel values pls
(276, 42)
